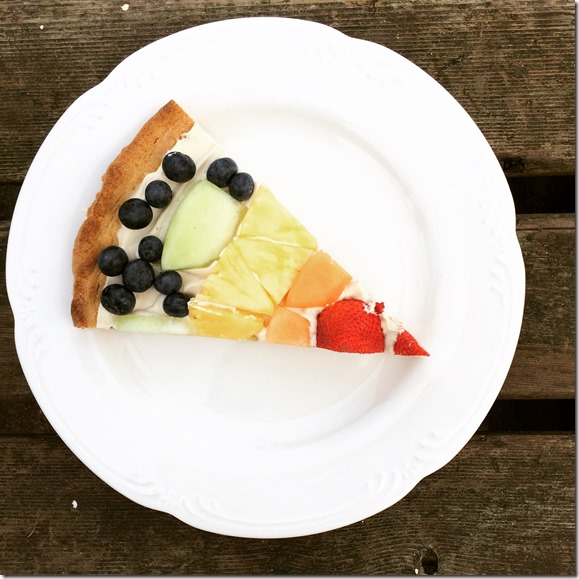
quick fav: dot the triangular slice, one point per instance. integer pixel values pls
(180, 240)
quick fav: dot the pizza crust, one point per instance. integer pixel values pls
(141, 157)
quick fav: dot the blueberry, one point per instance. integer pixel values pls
(112, 260)
(150, 248)
(118, 300)
(179, 167)
(158, 194)
(138, 275)
(135, 213)
(221, 171)
(175, 305)
(241, 186)
(168, 282)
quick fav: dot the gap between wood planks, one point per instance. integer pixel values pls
(530, 416)
(548, 194)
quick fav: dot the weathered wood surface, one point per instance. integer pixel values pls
(481, 514)
(544, 363)
(511, 64)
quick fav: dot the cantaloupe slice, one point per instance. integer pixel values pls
(319, 283)
(287, 327)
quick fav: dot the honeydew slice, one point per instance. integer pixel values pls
(203, 224)
(154, 324)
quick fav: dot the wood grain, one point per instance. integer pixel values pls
(547, 340)
(503, 506)
(511, 64)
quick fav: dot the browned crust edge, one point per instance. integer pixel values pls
(142, 156)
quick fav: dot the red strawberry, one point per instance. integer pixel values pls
(406, 345)
(346, 326)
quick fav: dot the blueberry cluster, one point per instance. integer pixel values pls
(138, 213)
(224, 173)
(138, 274)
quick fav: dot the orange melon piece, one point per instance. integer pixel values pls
(287, 327)
(319, 283)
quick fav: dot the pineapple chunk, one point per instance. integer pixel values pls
(213, 321)
(268, 219)
(233, 284)
(274, 264)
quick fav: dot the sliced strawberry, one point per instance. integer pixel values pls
(347, 326)
(406, 345)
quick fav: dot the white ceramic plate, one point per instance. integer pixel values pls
(396, 181)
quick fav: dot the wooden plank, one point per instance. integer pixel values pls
(511, 64)
(543, 366)
(546, 354)
(504, 506)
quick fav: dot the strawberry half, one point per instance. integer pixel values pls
(406, 345)
(347, 326)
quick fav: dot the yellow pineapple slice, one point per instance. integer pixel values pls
(213, 321)
(233, 284)
(274, 264)
(268, 219)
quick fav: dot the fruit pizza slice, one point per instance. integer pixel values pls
(180, 240)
